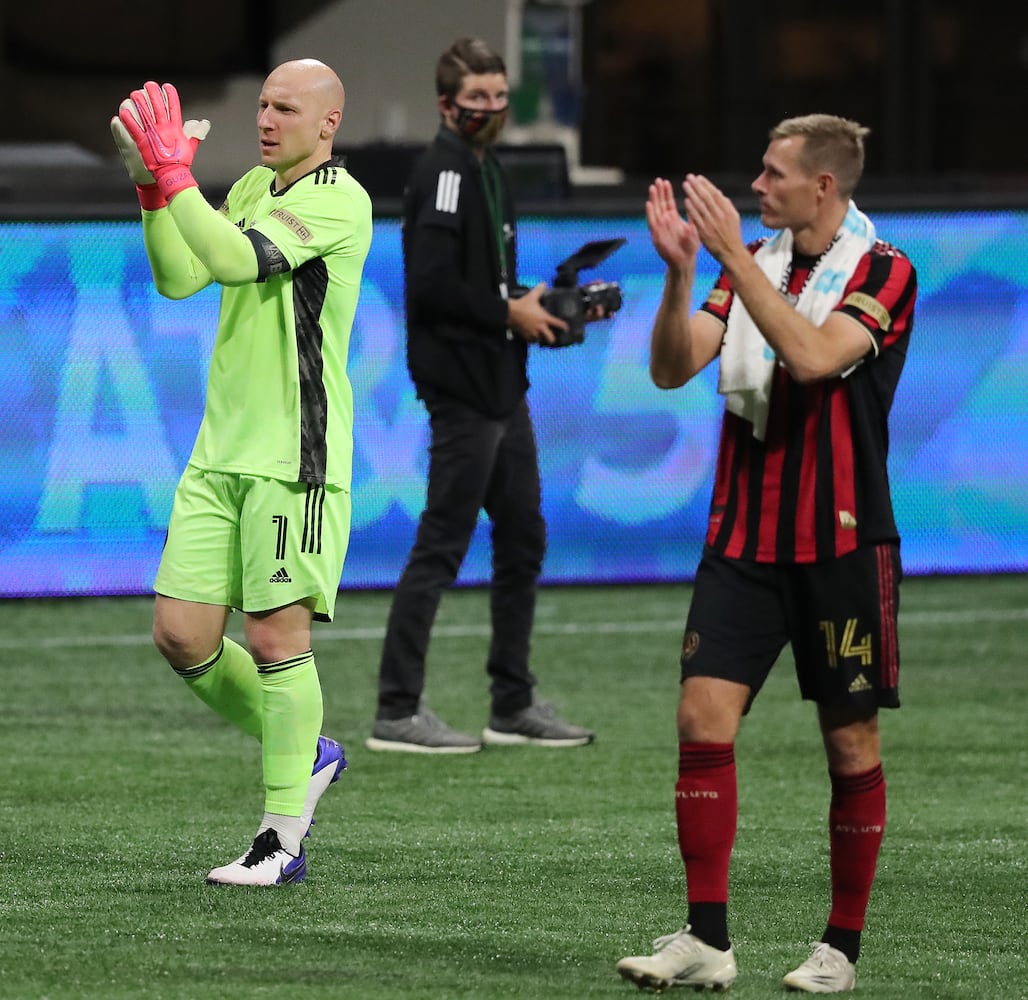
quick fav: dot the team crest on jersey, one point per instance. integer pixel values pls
(290, 221)
(690, 643)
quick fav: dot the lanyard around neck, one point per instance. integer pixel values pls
(494, 197)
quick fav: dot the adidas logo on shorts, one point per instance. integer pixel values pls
(860, 684)
(280, 576)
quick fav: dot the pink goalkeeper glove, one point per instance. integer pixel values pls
(153, 119)
(150, 197)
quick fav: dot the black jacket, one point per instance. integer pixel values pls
(458, 343)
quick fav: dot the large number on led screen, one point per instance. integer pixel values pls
(102, 386)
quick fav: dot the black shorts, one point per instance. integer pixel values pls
(839, 616)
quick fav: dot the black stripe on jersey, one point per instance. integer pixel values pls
(726, 509)
(313, 519)
(832, 457)
(310, 286)
(280, 541)
(325, 175)
(800, 397)
(751, 479)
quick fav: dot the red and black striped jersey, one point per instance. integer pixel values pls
(817, 486)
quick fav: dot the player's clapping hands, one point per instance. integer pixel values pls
(674, 237)
(156, 145)
(714, 216)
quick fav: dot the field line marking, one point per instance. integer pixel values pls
(913, 619)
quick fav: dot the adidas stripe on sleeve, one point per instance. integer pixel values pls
(447, 192)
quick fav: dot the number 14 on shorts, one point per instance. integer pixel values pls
(848, 646)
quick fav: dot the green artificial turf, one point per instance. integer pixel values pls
(517, 872)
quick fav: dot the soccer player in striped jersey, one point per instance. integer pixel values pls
(811, 328)
(261, 516)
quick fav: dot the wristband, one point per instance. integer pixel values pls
(150, 197)
(172, 178)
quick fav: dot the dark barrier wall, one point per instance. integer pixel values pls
(102, 388)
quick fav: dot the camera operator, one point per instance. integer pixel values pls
(467, 348)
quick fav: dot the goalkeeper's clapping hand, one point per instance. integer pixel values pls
(150, 197)
(155, 144)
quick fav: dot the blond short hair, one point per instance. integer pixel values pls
(831, 144)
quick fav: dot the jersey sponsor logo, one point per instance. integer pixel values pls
(447, 191)
(718, 297)
(291, 222)
(870, 305)
(280, 576)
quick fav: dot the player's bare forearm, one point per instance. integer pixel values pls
(671, 363)
(810, 353)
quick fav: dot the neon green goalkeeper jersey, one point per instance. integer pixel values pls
(279, 402)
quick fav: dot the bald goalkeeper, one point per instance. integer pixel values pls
(261, 517)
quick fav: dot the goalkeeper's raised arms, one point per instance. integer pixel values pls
(150, 196)
(154, 123)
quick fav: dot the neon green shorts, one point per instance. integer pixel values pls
(254, 544)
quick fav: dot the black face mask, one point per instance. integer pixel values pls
(480, 125)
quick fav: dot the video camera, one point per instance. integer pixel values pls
(571, 301)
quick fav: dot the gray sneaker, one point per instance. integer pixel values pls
(536, 725)
(420, 733)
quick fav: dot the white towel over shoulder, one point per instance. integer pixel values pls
(747, 361)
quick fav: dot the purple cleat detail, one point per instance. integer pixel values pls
(329, 763)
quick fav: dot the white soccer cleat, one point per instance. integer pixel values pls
(680, 959)
(266, 863)
(827, 970)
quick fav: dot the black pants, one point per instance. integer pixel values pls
(475, 462)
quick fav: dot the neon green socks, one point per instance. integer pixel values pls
(280, 705)
(292, 712)
(229, 684)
